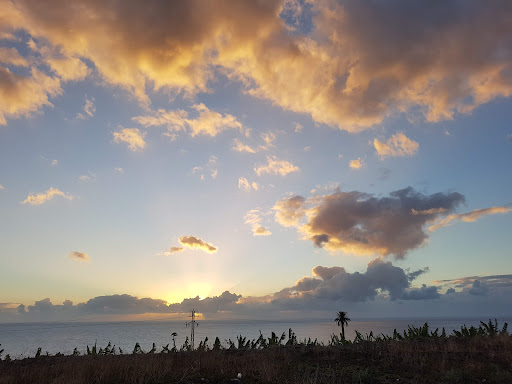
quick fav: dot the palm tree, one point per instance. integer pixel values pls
(174, 334)
(342, 320)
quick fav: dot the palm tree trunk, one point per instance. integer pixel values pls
(343, 330)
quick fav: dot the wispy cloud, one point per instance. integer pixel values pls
(41, 198)
(87, 178)
(210, 168)
(89, 109)
(469, 217)
(254, 219)
(171, 251)
(132, 136)
(275, 166)
(245, 185)
(268, 139)
(78, 256)
(208, 122)
(396, 145)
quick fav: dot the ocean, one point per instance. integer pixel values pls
(23, 339)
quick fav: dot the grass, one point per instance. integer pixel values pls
(418, 355)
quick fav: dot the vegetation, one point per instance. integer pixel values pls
(416, 355)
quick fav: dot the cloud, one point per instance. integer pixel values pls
(396, 145)
(290, 210)
(171, 251)
(22, 96)
(356, 164)
(1, 187)
(245, 185)
(423, 293)
(359, 223)
(240, 147)
(208, 122)
(54, 163)
(119, 170)
(479, 285)
(336, 284)
(382, 289)
(89, 109)
(469, 217)
(346, 71)
(40, 198)
(479, 289)
(87, 178)
(79, 256)
(11, 56)
(193, 242)
(509, 137)
(298, 127)
(132, 136)
(211, 167)
(268, 139)
(67, 67)
(275, 166)
(254, 219)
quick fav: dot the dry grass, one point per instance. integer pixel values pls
(448, 360)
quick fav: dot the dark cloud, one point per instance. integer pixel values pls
(374, 291)
(359, 223)
(326, 273)
(450, 290)
(193, 242)
(336, 284)
(478, 288)
(225, 302)
(122, 304)
(413, 275)
(494, 281)
(423, 293)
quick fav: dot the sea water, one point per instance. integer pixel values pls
(23, 339)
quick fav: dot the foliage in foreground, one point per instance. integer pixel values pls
(489, 329)
(418, 357)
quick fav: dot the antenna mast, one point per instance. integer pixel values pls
(192, 324)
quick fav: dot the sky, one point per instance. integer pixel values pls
(255, 158)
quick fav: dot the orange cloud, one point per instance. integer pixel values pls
(208, 122)
(10, 56)
(275, 166)
(356, 164)
(22, 95)
(132, 136)
(346, 73)
(41, 198)
(79, 256)
(396, 145)
(469, 217)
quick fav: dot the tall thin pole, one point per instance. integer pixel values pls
(192, 324)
